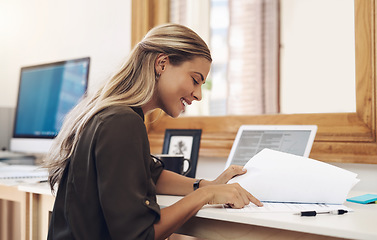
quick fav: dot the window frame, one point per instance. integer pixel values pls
(341, 137)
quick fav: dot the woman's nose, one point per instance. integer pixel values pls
(197, 94)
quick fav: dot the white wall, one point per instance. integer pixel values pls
(317, 56)
(42, 31)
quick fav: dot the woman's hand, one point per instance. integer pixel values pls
(209, 192)
(229, 173)
(231, 194)
(224, 177)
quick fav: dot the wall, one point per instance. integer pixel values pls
(42, 31)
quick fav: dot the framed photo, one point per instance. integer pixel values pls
(185, 142)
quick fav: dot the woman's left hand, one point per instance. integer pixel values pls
(228, 174)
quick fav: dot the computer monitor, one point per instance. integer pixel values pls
(46, 94)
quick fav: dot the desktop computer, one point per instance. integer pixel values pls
(6, 129)
(47, 92)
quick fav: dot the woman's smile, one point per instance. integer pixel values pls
(185, 103)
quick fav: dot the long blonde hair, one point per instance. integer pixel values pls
(132, 85)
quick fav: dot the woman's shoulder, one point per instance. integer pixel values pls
(119, 112)
(117, 118)
(119, 121)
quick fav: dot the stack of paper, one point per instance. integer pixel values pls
(17, 174)
(274, 176)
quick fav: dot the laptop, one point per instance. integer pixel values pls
(251, 139)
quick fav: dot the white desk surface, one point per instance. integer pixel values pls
(360, 224)
(38, 188)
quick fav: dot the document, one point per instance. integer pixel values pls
(274, 176)
(269, 207)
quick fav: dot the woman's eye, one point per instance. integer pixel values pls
(195, 82)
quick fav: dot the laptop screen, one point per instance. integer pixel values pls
(251, 139)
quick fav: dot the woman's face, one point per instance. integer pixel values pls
(178, 86)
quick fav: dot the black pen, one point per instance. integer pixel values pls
(314, 213)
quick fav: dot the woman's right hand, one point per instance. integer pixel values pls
(231, 194)
(177, 214)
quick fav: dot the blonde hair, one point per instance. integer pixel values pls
(132, 85)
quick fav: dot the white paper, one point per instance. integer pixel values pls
(275, 176)
(22, 171)
(288, 208)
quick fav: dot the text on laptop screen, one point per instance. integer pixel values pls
(253, 141)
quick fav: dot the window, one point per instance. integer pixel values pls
(243, 37)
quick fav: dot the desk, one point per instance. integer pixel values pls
(214, 222)
(217, 223)
(11, 193)
(41, 202)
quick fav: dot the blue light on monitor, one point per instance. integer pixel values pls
(46, 94)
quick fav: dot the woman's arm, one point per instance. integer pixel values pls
(175, 184)
(176, 215)
(210, 192)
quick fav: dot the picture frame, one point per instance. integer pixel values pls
(183, 141)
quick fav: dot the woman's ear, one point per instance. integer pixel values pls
(161, 63)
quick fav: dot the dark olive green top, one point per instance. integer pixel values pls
(108, 188)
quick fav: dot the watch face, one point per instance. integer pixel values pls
(196, 184)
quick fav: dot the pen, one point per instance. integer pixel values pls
(314, 213)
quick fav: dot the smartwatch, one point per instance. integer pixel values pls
(196, 184)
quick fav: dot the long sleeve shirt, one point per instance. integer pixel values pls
(108, 187)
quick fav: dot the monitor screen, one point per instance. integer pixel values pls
(46, 94)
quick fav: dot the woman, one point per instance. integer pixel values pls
(101, 158)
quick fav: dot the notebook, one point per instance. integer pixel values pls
(364, 199)
(251, 139)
